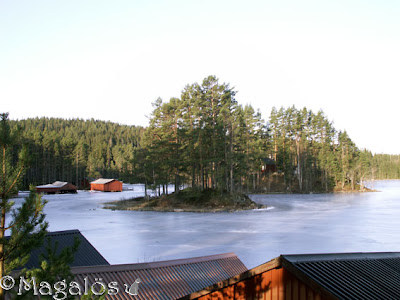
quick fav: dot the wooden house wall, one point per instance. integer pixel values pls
(97, 187)
(275, 284)
(47, 190)
(69, 187)
(113, 186)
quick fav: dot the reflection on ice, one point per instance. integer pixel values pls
(264, 209)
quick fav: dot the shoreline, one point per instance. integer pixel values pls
(112, 206)
(366, 190)
(168, 203)
(188, 200)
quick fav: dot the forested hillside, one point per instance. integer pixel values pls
(77, 150)
(386, 166)
(205, 139)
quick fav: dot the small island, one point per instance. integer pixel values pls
(189, 200)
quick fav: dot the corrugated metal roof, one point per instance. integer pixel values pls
(165, 279)
(350, 275)
(336, 275)
(272, 264)
(102, 181)
(86, 255)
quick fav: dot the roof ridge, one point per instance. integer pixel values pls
(152, 265)
(69, 231)
(300, 258)
(61, 232)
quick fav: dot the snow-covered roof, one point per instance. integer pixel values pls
(102, 181)
(60, 183)
(54, 185)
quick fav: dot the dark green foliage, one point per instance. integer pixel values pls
(191, 195)
(386, 166)
(27, 223)
(78, 151)
(28, 229)
(91, 296)
(54, 268)
(203, 139)
(55, 263)
(313, 156)
(206, 140)
(190, 199)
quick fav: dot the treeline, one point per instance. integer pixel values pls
(78, 150)
(312, 155)
(386, 166)
(205, 139)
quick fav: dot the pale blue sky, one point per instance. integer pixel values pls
(72, 58)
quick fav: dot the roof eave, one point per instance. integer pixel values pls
(272, 264)
(150, 265)
(306, 279)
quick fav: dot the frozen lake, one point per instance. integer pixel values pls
(292, 224)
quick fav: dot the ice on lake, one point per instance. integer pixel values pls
(317, 223)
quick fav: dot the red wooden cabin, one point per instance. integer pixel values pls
(106, 185)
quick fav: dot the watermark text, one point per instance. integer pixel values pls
(61, 289)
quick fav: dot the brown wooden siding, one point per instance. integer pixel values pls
(275, 284)
(113, 186)
(97, 187)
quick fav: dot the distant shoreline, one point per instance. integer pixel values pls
(194, 201)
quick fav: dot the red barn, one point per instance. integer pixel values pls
(106, 185)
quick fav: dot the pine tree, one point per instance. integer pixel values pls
(27, 224)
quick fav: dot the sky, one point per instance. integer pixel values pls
(109, 60)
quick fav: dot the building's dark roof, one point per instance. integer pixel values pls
(349, 275)
(86, 255)
(164, 279)
(269, 161)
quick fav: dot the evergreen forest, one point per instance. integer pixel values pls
(204, 139)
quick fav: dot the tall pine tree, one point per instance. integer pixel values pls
(26, 224)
